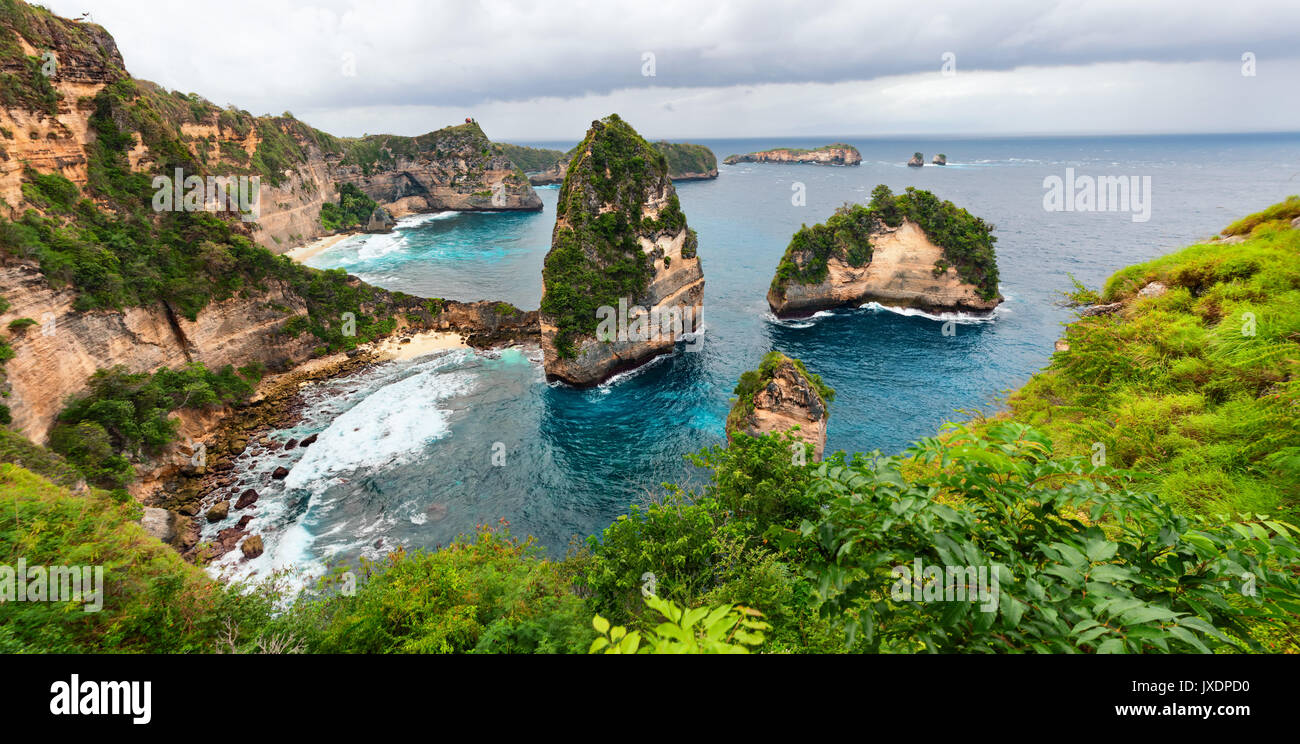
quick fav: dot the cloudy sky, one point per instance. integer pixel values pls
(531, 71)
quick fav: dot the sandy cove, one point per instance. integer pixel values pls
(304, 252)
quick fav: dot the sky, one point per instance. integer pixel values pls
(542, 71)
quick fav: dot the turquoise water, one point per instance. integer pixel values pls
(406, 454)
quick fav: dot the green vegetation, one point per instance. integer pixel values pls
(124, 414)
(153, 601)
(967, 241)
(846, 236)
(595, 257)
(352, 210)
(1277, 216)
(486, 595)
(1196, 387)
(686, 158)
(530, 159)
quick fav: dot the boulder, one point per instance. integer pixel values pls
(219, 511)
(280, 473)
(1154, 289)
(308, 441)
(251, 547)
(380, 221)
(159, 523)
(246, 499)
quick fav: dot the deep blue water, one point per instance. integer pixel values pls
(406, 453)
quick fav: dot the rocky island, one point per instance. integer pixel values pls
(781, 396)
(622, 280)
(686, 162)
(835, 154)
(909, 250)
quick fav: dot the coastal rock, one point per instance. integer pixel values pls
(917, 161)
(251, 547)
(940, 159)
(1154, 289)
(159, 523)
(781, 396)
(835, 154)
(380, 221)
(307, 441)
(1106, 309)
(246, 499)
(856, 258)
(219, 511)
(280, 473)
(618, 215)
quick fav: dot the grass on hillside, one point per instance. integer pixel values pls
(1199, 387)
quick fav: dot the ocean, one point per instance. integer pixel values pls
(415, 453)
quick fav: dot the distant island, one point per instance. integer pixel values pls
(834, 154)
(686, 162)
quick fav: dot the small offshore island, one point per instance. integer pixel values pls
(910, 250)
(835, 154)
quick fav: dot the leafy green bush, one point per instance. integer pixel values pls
(488, 594)
(721, 630)
(1085, 559)
(352, 210)
(124, 412)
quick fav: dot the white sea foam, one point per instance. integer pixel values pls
(412, 220)
(392, 424)
(958, 317)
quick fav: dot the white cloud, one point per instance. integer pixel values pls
(545, 70)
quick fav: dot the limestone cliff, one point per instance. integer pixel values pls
(109, 281)
(885, 253)
(54, 359)
(60, 75)
(781, 396)
(622, 281)
(836, 154)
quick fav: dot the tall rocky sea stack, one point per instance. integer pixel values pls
(622, 281)
(910, 250)
(781, 396)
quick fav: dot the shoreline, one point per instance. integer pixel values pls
(317, 246)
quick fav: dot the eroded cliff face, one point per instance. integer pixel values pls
(786, 400)
(829, 155)
(54, 359)
(901, 273)
(48, 134)
(610, 211)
